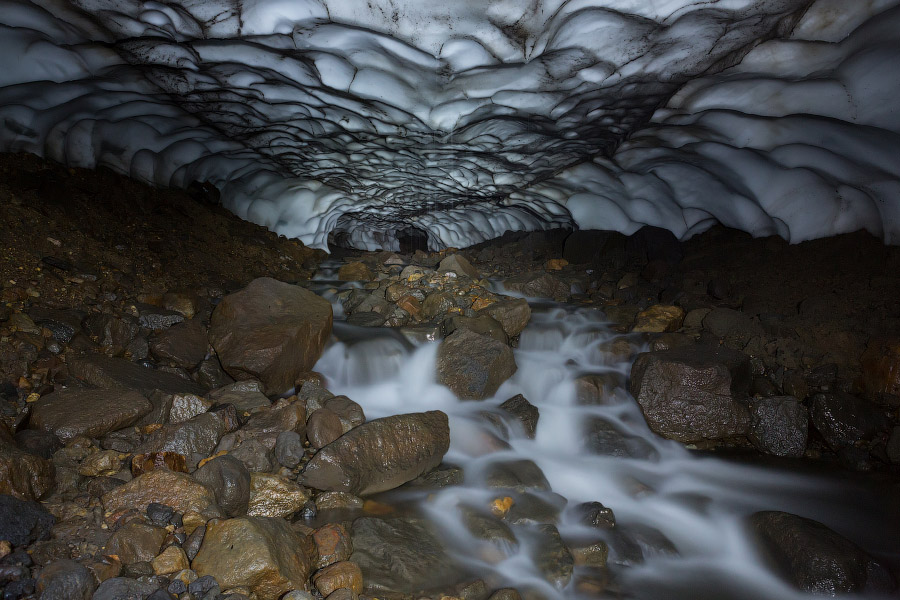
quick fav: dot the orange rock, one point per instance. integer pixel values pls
(332, 544)
(881, 368)
(501, 506)
(482, 303)
(556, 264)
(376, 508)
(343, 574)
(411, 305)
(144, 463)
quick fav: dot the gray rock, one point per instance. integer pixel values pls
(692, 394)
(474, 366)
(122, 588)
(229, 480)
(381, 454)
(816, 559)
(779, 426)
(23, 522)
(289, 449)
(65, 580)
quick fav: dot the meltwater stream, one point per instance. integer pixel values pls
(680, 516)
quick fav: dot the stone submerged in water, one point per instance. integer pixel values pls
(816, 559)
(474, 366)
(270, 330)
(402, 555)
(381, 454)
(690, 394)
(24, 475)
(261, 553)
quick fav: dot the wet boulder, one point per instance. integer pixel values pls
(178, 490)
(472, 365)
(117, 373)
(539, 285)
(229, 480)
(693, 393)
(779, 425)
(457, 263)
(183, 344)
(524, 412)
(65, 580)
(482, 325)
(381, 454)
(260, 553)
(270, 330)
(513, 314)
(843, 419)
(92, 413)
(817, 559)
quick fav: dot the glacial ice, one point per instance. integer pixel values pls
(466, 120)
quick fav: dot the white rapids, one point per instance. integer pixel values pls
(697, 502)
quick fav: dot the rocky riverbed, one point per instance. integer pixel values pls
(195, 408)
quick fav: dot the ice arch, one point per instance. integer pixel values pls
(464, 120)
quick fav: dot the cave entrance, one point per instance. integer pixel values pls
(411, 239)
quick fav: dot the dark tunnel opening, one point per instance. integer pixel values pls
(411, 239)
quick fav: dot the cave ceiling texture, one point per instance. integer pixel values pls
(468, 118)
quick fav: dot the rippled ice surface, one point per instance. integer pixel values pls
(697, 502)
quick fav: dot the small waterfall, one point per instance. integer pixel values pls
(680, 529)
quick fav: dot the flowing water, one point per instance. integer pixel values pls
(680, 515)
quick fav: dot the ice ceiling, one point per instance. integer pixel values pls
(467, 118)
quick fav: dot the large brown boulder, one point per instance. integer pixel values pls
(474, 365)
(271, 331)
(260, 553)
(91, 413)
(381, 454)
(691, 394)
